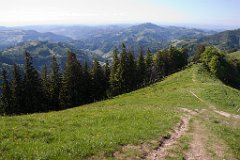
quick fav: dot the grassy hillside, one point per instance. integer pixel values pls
(103, 127)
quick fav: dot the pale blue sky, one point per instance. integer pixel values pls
(195, 12)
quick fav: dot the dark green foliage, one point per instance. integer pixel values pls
(17, 91)
(221, 66)
(131, 76)
(107, 72)
(81, 85)
(122, 71)
(86, 85)
(55, 84)
(46, 89)
(200, 49)
(71, 92)
(113, 81)
(6, 106)
(98, 81)
(170, 60)
(149, 66)
(141, 69)
(33, 96)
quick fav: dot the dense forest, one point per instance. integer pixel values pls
(30, 91)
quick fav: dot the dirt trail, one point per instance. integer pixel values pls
(222, 113)
(197, 146)
(144, 151)
(168, 142)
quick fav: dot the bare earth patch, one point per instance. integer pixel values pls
(197, 146)
(228, 115)
(168, 142)
(156, 150)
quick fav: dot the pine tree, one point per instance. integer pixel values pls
(46, 89)
(107, 72)
(6, 95)
(122, 71)
(72, 90)
(141, 69)
(131, 72)
(32, 87)
(86, 84)
(55, 84)
(98, 80)
(149, 66)
(17, 90)
(113, 81)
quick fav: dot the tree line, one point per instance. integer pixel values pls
(225, 68)
(78, 84)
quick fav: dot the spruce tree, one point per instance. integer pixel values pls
(107, 72)
(86, 84)
(131, 72)
(6, 95)
(141, 69)
(122, 70)
(17, 90)
(46, 89)
(149, 66)
(113, 81)
(72, 90)
(98, 80)
(32, 87)
(55, 84)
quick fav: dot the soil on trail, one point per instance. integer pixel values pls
(197, 146)
(145, 151)
(168, 142)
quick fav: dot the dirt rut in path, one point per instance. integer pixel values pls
(197, 146)
(167, 142)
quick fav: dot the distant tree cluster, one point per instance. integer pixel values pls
(80, 84)
(222, 66)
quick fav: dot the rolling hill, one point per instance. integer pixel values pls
(11, 37)
(137, 125)
(42, 52)
(227, 40)
(102, 39)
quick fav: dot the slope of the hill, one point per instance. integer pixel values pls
(227, 40)
(98, 130)
(11, 37)
(42, 53)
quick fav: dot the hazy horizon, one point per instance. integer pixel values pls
(214, 14)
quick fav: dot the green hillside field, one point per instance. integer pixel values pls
(100, 129)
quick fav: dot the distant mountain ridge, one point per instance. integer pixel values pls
(11, 37)
(42, 53)
(227, 40)
(144, 36)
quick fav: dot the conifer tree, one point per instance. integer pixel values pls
(86, 84)
(98, 80)
(46, 89)
(72, 89)
(55, 84)
(131, 72)
(107, 71)
(149, 66)
(32, 87)
(141, 69)
(17, 90)
(6, 95)
(113, 81)
(122, 70)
